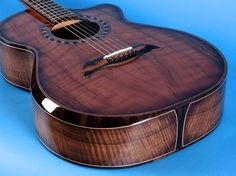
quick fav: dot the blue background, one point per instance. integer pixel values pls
(214, 20)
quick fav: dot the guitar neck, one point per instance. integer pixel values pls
(49, 9)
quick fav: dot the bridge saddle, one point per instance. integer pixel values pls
(117, 58)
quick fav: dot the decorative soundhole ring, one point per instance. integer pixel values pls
(104, 30)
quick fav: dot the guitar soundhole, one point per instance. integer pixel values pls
(78, 31)
(95, 29)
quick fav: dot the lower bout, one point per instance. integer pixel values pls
(134, 144)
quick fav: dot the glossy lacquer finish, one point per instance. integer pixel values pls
(155, 105)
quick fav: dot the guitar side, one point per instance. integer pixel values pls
(16, 63)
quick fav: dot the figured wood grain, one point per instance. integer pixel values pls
(157, 78)
(116, 147)
(209, 110)
(120, 116)
(17, 65)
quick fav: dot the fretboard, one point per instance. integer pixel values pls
(49, 9)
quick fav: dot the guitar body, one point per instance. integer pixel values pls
(128, 114)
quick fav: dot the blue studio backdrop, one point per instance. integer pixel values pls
(21, 154)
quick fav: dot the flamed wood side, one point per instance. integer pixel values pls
(17, 64)
(122, 116)
(208, 109)
(109, 147)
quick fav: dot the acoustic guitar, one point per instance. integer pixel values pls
(108, 92)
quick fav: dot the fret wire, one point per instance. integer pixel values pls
(58, 7)
(52, 11)
(57, 12)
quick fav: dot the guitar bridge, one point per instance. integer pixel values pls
(117, 58)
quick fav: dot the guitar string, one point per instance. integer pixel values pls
(110, 38)
(88, 33)
(69, 29)
(32, 4)
(107, 40)
(74, 29)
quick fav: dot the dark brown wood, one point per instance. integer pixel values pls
(17, 65)
(119, 116)
(123, 146)
(208, 110)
